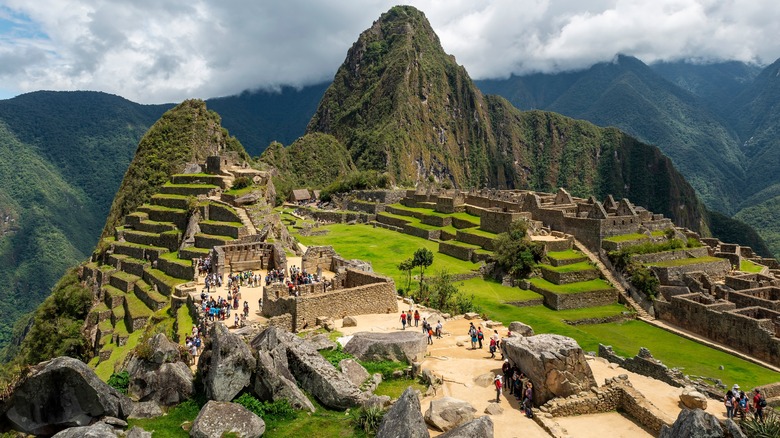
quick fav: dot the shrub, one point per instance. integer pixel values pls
(769, 428)
(241, 182)
(119, 381)
(277, 410)
(515, 252)
(368, 418)
(643, 279)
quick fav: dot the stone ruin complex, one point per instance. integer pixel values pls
(353, 290)
(701, 288)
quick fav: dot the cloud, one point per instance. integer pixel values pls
(151, 51)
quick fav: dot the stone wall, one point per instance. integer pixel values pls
(175, 268)
(670, 255)
(457, 251)
(365, 206)
(403, 212)
(475, 239)
(616, 395)
(336, 216)
(214, 211)
(750, 330)
(576, 300)
(419, 232)
(391, 220)
(380, 196)
(318, 257)
(250, 256)
(674, 275)
(437, 221)
(644, 364)
(369, 298)
(766, 297)
(496, 221)
(569, 277)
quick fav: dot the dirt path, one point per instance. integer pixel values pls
(459, 366)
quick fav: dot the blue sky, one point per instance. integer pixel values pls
(154, 51)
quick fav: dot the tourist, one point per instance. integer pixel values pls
(528, 400)
(492, 348)
(409, 317)
(473, 336)
(403, 320)
(506, 369)
(236, 323)
(480, 336)
(742, 405)
(728, 401)
(438, 330)
(758, 405)
(498, 388)
(425, 323)
(246, 309)
(416, 318)
(430, 336)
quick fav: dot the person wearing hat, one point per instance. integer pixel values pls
(498, 384)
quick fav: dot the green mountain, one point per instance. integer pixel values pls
(629, 95)
(62, 155)
(401, 105)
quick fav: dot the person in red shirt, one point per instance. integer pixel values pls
(759, 410)
(416, 318)
(403, 320)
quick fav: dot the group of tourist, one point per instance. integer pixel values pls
(204, 265)
(428, 330)
(738, 403)
(194, 343)
(244, 278)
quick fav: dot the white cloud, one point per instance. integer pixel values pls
(152, 51)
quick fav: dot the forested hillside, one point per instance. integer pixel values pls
(62, 155)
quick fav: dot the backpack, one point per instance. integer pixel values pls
(480, 336)
(762, 402)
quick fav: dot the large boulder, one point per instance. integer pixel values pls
(481, 427)
(216, 419)
(160, 374)
(354, 372)
(97, 430)
(146, 409)
(349, 321)
(448, 413)
(693, 423)
(312, 372)
(226, 364)
(404, 346)
(555, 365)
(693, 399)
(518, 328)
(273, 380)
(61, 393)
(404, 418)
(322, 342)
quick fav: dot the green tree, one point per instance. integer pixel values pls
(423, 258)
(515, 252)
(407, 266)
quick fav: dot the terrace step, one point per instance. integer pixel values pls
(192, 252)
(158, 213)
(563, 258)
(136, 313)
(219, 211)
(155, 227)
(127, 264)
(210, 240)
(135, 217)
(117, 315)
(165, 283)
(112, 296)
(176, 268)
(171, 201)
(138, 251)
(232, 229)
(187, 189)
(123, 281)
(392, 219)
(200, 178)
(568, 274)
(152, 299)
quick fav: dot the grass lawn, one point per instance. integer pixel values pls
(673, 350)
(395, 387)
(748, 266)
(571, 288)
(626, 238)
(685, 262)
(106, 368)
(385, 249)
(478, 232)
(574, 267)
(494, 292)
(565, 255)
